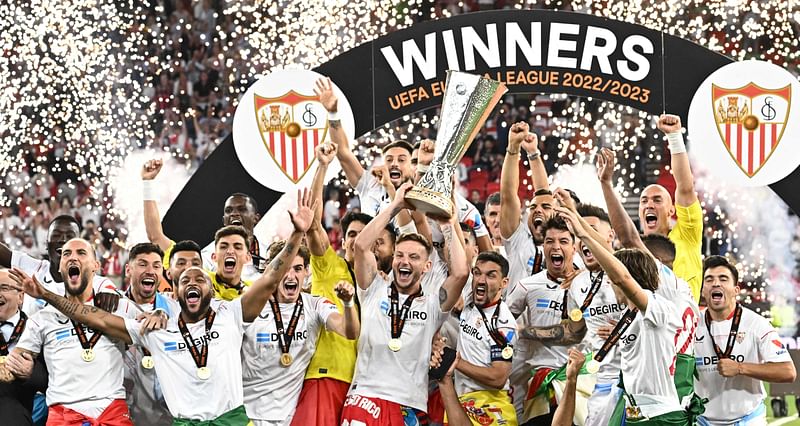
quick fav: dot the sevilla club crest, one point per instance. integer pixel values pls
(751, 121)
(291, 126)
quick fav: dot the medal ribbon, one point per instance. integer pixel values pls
(622, 325)
(399, 318)
(285, 339)
(494, 333)
(14, 334)
(200, 357)
(737, 318)
(564, 313)
(86, 343)
(537, 262)
(595, 287)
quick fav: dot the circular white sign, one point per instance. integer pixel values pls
(741, 119)
(279, 122)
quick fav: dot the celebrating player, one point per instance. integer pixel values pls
(737, 350)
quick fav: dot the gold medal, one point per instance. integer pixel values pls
(286, 360)
(2, 359)
(203, 373)
(395, 345)
(507, 352)
(147, 362)
(593, 366)
(87, 355)
(575, 315)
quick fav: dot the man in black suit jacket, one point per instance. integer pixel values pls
(20, 375)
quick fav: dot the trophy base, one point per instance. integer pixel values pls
(434, 204)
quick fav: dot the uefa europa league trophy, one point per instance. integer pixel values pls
(468, 99)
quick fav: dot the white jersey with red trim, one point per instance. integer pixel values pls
(730, 398)
(677, 290)
(271, 390)
(86, 387)
(476, 345)
(603, 309)
(402, 376)
(177, 372)
(648, 355)
(40, 269)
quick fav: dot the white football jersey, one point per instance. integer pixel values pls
(677, 290)
(603, 309)
(271, 390)
(730, 398)
(402, 376)
(647, 348)
(521, 253)
(544, 300)
(40, 269)
(86, 387)
(249, 271)
(477, 346)
(177, 371)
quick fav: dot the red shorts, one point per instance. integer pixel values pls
(116, 414)
(435, 407)
(321, 402)
(368, 411)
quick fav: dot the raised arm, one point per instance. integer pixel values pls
(352, 168)
(510, 210)
(346, 325)
(92, 316)
(457, 268)
(538, 172)
(318, 241)
(622, 224)
(366, 267)
(616, 270)
(685, 194)
(152, 220)
(566, 407)
(256, 297)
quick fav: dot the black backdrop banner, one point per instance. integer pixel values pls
(532, 51)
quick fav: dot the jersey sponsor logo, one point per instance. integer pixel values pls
(549, 304)
(470, 330)
(604, 310)
(181, 345)
(714, 360)
(628, 339)
(273, 337)
(69, 332)
(411, 314)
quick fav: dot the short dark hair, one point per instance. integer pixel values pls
(662, 247)
(556, 222)
(493, 256)
(573, 195)
(493, 199)
(392, 232)
(641, 266)
(351, 217)
(590, 210)
(144, 248)
(66, 218)
(277, 246)
(185, 245)
(398, 144)
(468, 232)
(714, 261)
(250, 199)
(412, 236)
(231, 230)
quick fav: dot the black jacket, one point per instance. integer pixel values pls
(16, 398)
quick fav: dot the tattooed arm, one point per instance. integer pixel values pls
(111, 325)
(458, 270)
(256, 297)
(566, 333)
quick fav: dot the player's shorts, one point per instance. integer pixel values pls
(320, 402)
(435, 407)
(489, 407)
(369, 411)
(601, 404)
(116, 414)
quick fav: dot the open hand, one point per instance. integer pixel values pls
(606, 160)
(24, 282)
(326, 95)
(304, 215)
(152, 321)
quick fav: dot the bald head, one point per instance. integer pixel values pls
(78, 266)
(655, 209)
